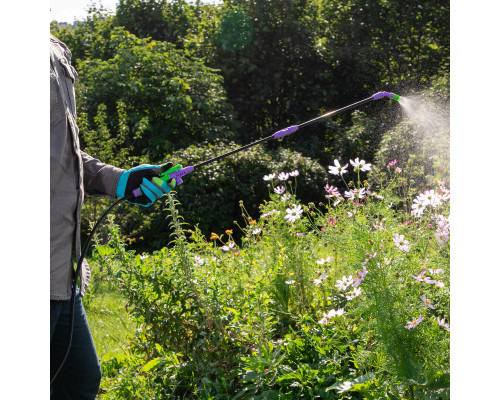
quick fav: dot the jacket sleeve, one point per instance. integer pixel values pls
(99, 179)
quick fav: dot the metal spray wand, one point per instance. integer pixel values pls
(180, 172)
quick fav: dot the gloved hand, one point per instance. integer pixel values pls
(152, 180)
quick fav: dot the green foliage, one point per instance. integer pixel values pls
(210, 195)
(272, 74)
(376, 43)
(163, 20)
(248, 314)
(90, 38)
(281, 315)
(241, 70)
(181, 99)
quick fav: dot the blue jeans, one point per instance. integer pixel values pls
(81, 373)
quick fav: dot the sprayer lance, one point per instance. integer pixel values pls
(177, 175)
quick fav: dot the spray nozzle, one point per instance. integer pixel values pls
(389, 95)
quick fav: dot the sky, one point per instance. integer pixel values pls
(76, 10)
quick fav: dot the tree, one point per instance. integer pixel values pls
(160, 20)
(177, 98)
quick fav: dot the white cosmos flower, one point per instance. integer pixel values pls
(344, 283)
(227, 247)
(199, 260)
(335, 313)
(361, 164)
(283, 176)
(279, 189)
(401, 243)
(324, 260)
(337, 169)
(353, 293)
(293, 213)
(269, 177)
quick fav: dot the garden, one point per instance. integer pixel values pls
(346, 299)
(316, 266)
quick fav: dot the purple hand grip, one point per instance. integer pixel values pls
(177, 175)
(379, 95)
(137, 192)
(285, 131)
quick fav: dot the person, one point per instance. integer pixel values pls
(73, 173)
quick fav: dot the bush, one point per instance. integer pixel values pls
(211, 194)
(345, 300)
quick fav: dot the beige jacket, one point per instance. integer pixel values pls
(71, 173)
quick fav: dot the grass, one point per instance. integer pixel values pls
(109, 321)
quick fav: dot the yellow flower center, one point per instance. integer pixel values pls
(427, 301)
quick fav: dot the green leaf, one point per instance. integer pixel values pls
(105, 250)
(356, 384)
(410, 368)
(152, 364)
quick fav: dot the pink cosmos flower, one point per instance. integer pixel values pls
(422, 278)
(436, 271)
(393, 162)
(359, 277)
(427, 302)
(438, 284)
(412, 324)
(199, 260)
(441, 237)
(332, 192)
(443, 323)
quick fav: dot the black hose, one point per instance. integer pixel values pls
(75, 280)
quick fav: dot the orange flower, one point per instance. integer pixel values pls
(214, 236)
(229, 231)
(252, 222)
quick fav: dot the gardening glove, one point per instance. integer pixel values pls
(153, 181)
